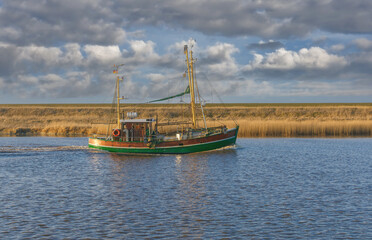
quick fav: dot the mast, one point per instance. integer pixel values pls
(118, 79)
(191, 82)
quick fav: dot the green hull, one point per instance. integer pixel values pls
(172, 150)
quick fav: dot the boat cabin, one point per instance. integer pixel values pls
(136, 130)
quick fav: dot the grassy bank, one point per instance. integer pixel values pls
(255, 120)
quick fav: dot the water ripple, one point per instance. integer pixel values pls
(54, 188)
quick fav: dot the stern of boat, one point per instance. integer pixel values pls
(94, 142)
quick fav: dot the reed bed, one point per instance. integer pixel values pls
(309, 128)
(255, 120)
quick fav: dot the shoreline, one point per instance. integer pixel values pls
(255, 120)
(87, 136)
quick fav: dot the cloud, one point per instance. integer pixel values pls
(38, 59)
(263, 90)
(337, 47)
(360, 67)
(73, 54)
(267, 19)
(229, 18)
(320, 88)
(218, 59)
(48, 56)
(8, 56)
(72, 70)
(319, 40)
(72, 84)
(163, 84)
(282, 59)
(246, 87)
(143, 51)
(98, 22)
(270, 45)
(103, 54)
(38, 71)
(27, 22)
(363, 43)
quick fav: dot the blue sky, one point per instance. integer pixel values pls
(248, 51)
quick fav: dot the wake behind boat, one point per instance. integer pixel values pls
(136, 135)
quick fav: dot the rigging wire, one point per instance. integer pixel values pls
(219, 98)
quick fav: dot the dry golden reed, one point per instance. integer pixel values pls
(255, 120)
(308, 128)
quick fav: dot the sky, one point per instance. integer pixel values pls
(247, 51)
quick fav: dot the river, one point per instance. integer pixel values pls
(278, 188)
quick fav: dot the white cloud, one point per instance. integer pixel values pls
(220, 59)
(143, 54)
(221, 51)
(178, 46)
(143, 51)
(102, 53)
(72, 70)
(46, 55)
(282, 59)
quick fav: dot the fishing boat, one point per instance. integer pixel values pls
(133, 135)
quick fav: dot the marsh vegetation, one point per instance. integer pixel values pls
(255, 120)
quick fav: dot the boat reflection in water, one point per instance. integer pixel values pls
(167, 188)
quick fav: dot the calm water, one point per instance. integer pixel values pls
(56, 188)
